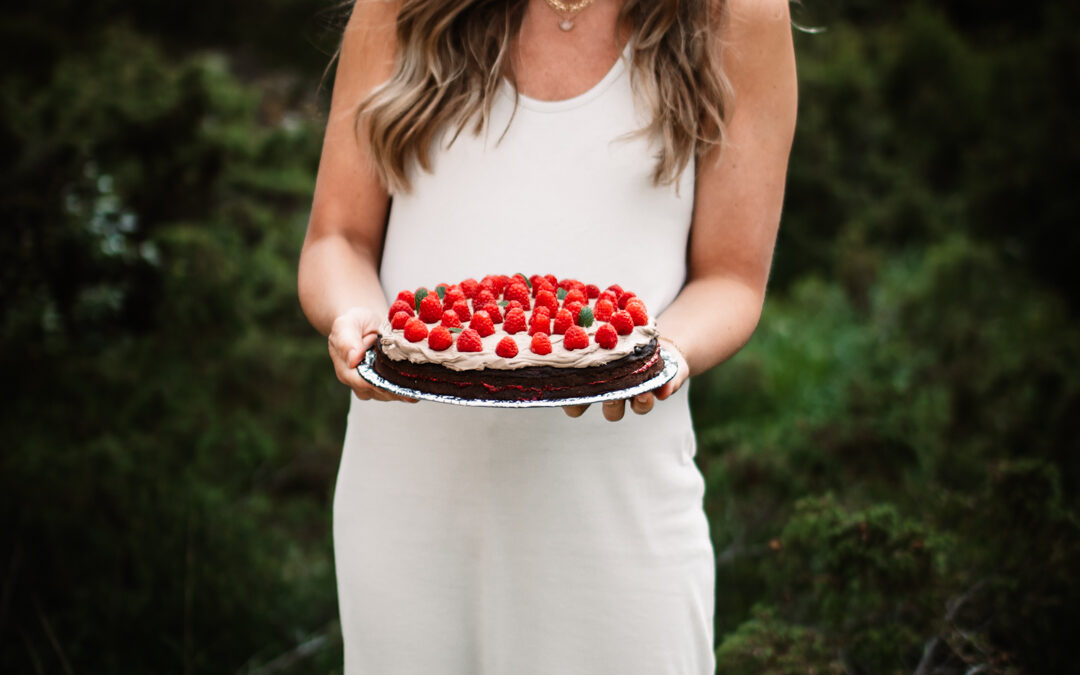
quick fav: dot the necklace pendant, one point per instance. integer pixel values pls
(566, 24)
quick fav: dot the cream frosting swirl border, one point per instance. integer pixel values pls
(397, 348)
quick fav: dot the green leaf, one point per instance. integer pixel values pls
(561, 294)
(456, 330)
(504, 303)
(420, 294)
(527, 282)
(441, 290)
(585, 317)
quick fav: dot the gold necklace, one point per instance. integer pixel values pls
(567, 11)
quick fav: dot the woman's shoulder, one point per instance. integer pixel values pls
(740, 16)
(370, 33)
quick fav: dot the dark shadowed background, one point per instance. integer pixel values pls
(892, 461)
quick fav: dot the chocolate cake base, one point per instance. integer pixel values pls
(532, 383)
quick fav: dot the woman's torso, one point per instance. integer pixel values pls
(558, 194)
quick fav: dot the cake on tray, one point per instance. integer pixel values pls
(518, 338)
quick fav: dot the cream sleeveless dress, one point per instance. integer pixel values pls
(475, 541)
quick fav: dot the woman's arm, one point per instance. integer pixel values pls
(338, 277)
(737, 202)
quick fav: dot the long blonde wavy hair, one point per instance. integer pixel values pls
(452, 56)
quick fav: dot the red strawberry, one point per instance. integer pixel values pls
(547, 299)
(469, 341)
(515, 321)
(540, 344)
(636, 309)
(470, 287)
(399, 321)
(399, 306)
(483, 298)
(575, 296)
(450, 319)
(606, 336)
(440, 338)
(514, 304)
(482, 324)
(592, 291)
(496, 282)
(519, 292)
(625, 298)
(576, 338)
(415, 330)
(623, 322)
(493, 311)
(563, 320)
(430, 308)
(604, 310)
(453, 295)
(506, 348)
(407, 297)
(461, 308)
(540, 323)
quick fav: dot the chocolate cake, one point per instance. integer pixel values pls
(518, 338)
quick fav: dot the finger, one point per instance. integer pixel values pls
(367, 391)
(575, 410)
(671, 386)
(370, 393)
(614, 410)
(642, 403)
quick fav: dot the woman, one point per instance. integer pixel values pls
(527, 541)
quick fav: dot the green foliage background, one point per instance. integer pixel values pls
(892, 461)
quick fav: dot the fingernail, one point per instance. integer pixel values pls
(643, 398)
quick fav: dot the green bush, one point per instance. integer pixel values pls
(175, 435)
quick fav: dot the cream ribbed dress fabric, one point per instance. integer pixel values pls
(472, 541)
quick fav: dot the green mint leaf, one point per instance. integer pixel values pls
(527, 282)
(585, 317)
(504, 303)
(456, 330)
(441, 290)
(420, 294)
(561, 294)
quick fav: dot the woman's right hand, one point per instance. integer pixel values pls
(351, 335)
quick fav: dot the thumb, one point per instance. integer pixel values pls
(353, 358)
(356, 353)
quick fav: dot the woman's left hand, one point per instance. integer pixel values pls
(642, 403)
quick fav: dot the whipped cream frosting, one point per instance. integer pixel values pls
(397, 348)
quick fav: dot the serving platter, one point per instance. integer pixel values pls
(367, 371)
